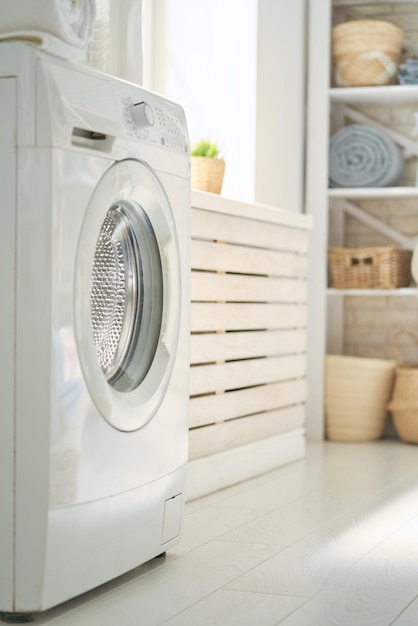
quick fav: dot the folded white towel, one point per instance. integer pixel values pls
(61, 27)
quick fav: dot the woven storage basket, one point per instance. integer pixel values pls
(404, 401)
(366, 52)
(207, 174)
(369, 268)
(356, 394)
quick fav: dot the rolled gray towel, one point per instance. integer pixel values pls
(361, 156)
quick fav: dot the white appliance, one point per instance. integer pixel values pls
(94, 283)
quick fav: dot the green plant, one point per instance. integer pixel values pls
(206, 148)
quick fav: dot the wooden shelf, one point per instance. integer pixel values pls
(364, 193)
(404, 291)
(344, 3)
(385, 95)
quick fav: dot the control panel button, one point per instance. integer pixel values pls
(142, 115)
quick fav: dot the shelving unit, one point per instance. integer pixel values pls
(329, 108)
(404, 291)
(373, 193)
(386, 94)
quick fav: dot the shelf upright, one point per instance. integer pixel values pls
(316, 203)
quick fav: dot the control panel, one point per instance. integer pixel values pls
(153, 123)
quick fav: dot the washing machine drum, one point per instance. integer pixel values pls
(127, 294)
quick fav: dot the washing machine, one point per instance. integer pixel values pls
(94, 282)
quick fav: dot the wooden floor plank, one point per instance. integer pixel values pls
(329, 540)
(374, 590)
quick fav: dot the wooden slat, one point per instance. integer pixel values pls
(246, 260)
(207, 286)
(212, 316)
(236, 374)
(216, 408)
(214, 439)
(206, 348)
(212, 226)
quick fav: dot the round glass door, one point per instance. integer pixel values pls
(126, 296)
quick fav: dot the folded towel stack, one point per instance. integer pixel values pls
(361, 156)
(408, 72)
(61, 27)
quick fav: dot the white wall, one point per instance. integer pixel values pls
(238, 69)
(280, 128)
(203, 56)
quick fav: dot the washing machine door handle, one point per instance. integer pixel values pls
(173, 288)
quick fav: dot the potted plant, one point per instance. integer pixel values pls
(208, 167)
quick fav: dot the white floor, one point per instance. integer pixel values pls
(332, 539)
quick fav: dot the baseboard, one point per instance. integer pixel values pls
(218, 471)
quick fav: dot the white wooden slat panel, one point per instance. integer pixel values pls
(215, 408)
(246, 260)
(213, 472)
(249, 276)
(212, 226)
(254, 211)
(207, 286)
(209, 347)
(236, 374)
(212, 316)
(213, 439)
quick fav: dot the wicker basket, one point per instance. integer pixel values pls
(356, 394)
(369, 268)
(404, 401)
(366, 52)
(207, 173)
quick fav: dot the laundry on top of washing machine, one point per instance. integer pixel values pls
(61, 28)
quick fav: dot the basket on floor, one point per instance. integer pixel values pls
(357, 390)
(404, 402)
(369, 268)
(366, 52)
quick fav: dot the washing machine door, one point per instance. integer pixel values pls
(127, 295)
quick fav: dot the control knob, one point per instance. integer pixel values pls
(141, 114)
